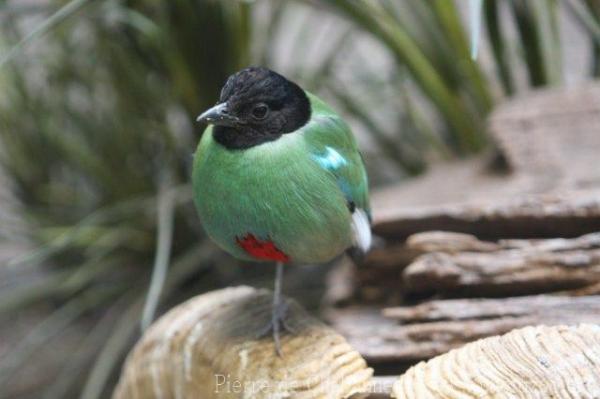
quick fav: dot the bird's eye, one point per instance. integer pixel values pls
(260, 111)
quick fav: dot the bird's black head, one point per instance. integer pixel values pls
(256, 106)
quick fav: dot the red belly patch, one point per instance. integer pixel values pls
(264, 250)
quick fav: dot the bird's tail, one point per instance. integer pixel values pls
(361, 227)
(363, 238)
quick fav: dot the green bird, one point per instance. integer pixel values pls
(278, 177)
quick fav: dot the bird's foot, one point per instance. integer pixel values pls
(277, 325)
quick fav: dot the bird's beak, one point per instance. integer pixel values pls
(218, 115)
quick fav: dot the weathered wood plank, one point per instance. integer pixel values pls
(536, 362)
(406, 335)
(568, 214)
(465, 266)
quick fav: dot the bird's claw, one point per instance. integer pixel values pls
(276, 325)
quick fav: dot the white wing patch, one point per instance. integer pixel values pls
(361, 229)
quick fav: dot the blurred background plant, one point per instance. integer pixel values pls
(97, 133)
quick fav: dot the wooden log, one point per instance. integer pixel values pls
(465, 266)
(403, 336)
(450, 242)
(375, 280)
(567, 214)
(468, 266)
(549, 140)
(208, 348)
(378, 278)
(551, 136)
(534, 362)
(546, 308)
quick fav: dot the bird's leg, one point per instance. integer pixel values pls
(278, 312)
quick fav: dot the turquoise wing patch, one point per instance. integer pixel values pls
(333, 161)
(354, 191)
(334, 149)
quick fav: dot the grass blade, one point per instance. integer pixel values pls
(124, 331)
(474, 81)
(586, 17)
(531, 40)
(43, 28)
(47, 329)
(593, 7)
(166, 216)
(546, 14)
(499, 46)
(406, 51)
(83, 354)
(475, 9)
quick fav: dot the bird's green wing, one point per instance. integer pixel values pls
(333, 146)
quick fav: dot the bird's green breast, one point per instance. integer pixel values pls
(274, 192)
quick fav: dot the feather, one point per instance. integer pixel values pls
(361, 229)
(330, 159)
